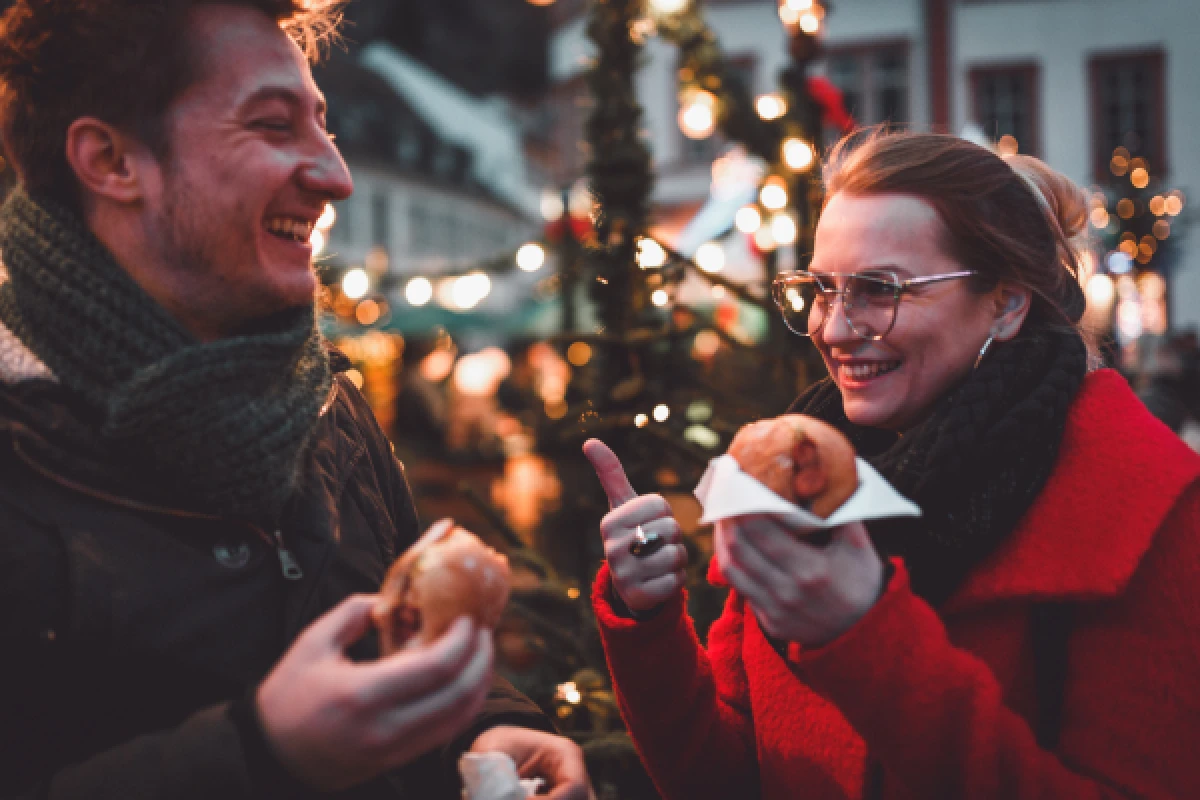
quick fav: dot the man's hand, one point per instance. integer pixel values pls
(641, 583)
(555, 759)
(335, 723)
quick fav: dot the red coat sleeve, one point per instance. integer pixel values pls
(688, 710)
(935, 717)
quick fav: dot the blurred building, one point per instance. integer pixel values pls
(1069, 81)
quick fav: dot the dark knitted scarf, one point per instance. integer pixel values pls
(224, 424)
(976, 464)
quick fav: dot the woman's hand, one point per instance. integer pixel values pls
(800, 593)
(641, 583)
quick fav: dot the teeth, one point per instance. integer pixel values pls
(298, 229)
(862, 372)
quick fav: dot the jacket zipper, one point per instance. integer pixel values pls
(289, 566)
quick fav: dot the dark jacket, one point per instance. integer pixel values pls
(133, 635)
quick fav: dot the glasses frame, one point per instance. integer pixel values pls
(899, 287)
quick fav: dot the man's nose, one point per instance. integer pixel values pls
(327, 174)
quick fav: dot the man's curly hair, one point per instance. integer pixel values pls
(122, 61)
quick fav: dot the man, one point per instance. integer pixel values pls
(187, 487)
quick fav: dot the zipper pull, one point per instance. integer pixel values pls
(291, 567)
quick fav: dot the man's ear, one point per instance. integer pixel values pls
(1012, 304)
(106, 160)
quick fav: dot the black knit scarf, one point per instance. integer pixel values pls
(976, 463)
(224, 424)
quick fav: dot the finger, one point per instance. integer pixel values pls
(610, 472)
(671, 558)
(638, 511)
(565, 772)
(656, 591)
(763, 543)
(443, 713)
(434, 532)
(619, 537)
(854, 536)
(738, 579)
(409, 673)
(344, 624)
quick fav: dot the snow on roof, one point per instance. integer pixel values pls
(482, 126)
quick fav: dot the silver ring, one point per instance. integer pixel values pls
(639, 535)
(645, 544)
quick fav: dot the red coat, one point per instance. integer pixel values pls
(944, 700)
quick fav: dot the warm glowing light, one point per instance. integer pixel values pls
(540, 3)
(1119, 262)
(1101, 292)
(579, 354)
(783, 229)
(1158, 205)
(1099, 218)
(698, 113)
(718, 292)
(710, 257)
(641, 420)
(1119, 165)
(810, 23)
(418, 292)
(798, 154)
(479, 374)
(367, 312)
(668, 6)
(355, 283)
(1125, 208)
(795, 300)
(551, 205)
(1140, 178)
(1152, 286)
(531, 257)
(650, 254)
(469, 290)
(774, 195)
(1162, 229)
(788, 15)
(661, 412)
(659, 298)
(1008, 145)
(706, 344)
(317, 242)
(764, 240)
(355, 377)
(327, 218)
(770, 106)
(747, 219)
(573, 592)
(799, 5)
(1174, 203)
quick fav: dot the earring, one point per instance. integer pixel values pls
(983, 350)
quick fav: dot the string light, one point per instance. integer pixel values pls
(661, 413)
(810, 22)
(579, 354)
(641, 420)
(355, 283)
(747, 219)
(650, 254)
(668, 6)
(798, 154)
(770, 106)
(697, 113)
(1008, 145)
(1174, 203)
(367, 312)
(531, 257)
(783, 229)
(710, 257)
(1162, 229)
(659, 297)
(1125, 208)
(1139, 177)
(418, 292)
(551, 205)
(1099, 218)
(764, 240)
(1158, 205)
(469, 290)
(774, 195)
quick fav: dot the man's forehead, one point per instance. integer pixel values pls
(241, 51)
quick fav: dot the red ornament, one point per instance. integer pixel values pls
(833, 104)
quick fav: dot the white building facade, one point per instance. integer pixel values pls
(1068, 79)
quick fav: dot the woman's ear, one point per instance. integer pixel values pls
(1012, 304)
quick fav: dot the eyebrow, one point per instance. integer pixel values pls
(288, 96)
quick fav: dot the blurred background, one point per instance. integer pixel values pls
(567, 215)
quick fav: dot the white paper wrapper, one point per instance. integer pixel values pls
(725, 491)
(493, 776)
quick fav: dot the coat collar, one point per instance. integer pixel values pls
(1119, 473)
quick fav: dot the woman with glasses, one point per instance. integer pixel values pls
(1036, 632)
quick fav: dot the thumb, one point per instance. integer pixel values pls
(854, 536)
(610, 472)
(344, 624)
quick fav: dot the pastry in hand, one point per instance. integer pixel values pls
(802, 459)
(446, 574)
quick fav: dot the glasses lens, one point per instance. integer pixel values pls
(870, 305)
(800, 302)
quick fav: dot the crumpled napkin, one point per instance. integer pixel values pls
(493, 776)
(726, 491)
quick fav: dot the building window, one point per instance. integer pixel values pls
(873, 79)
(1128, 109)
(381, 229)
(1005, 102)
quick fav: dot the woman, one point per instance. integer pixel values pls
(1036, 633)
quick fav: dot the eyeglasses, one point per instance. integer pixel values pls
(869, 300)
